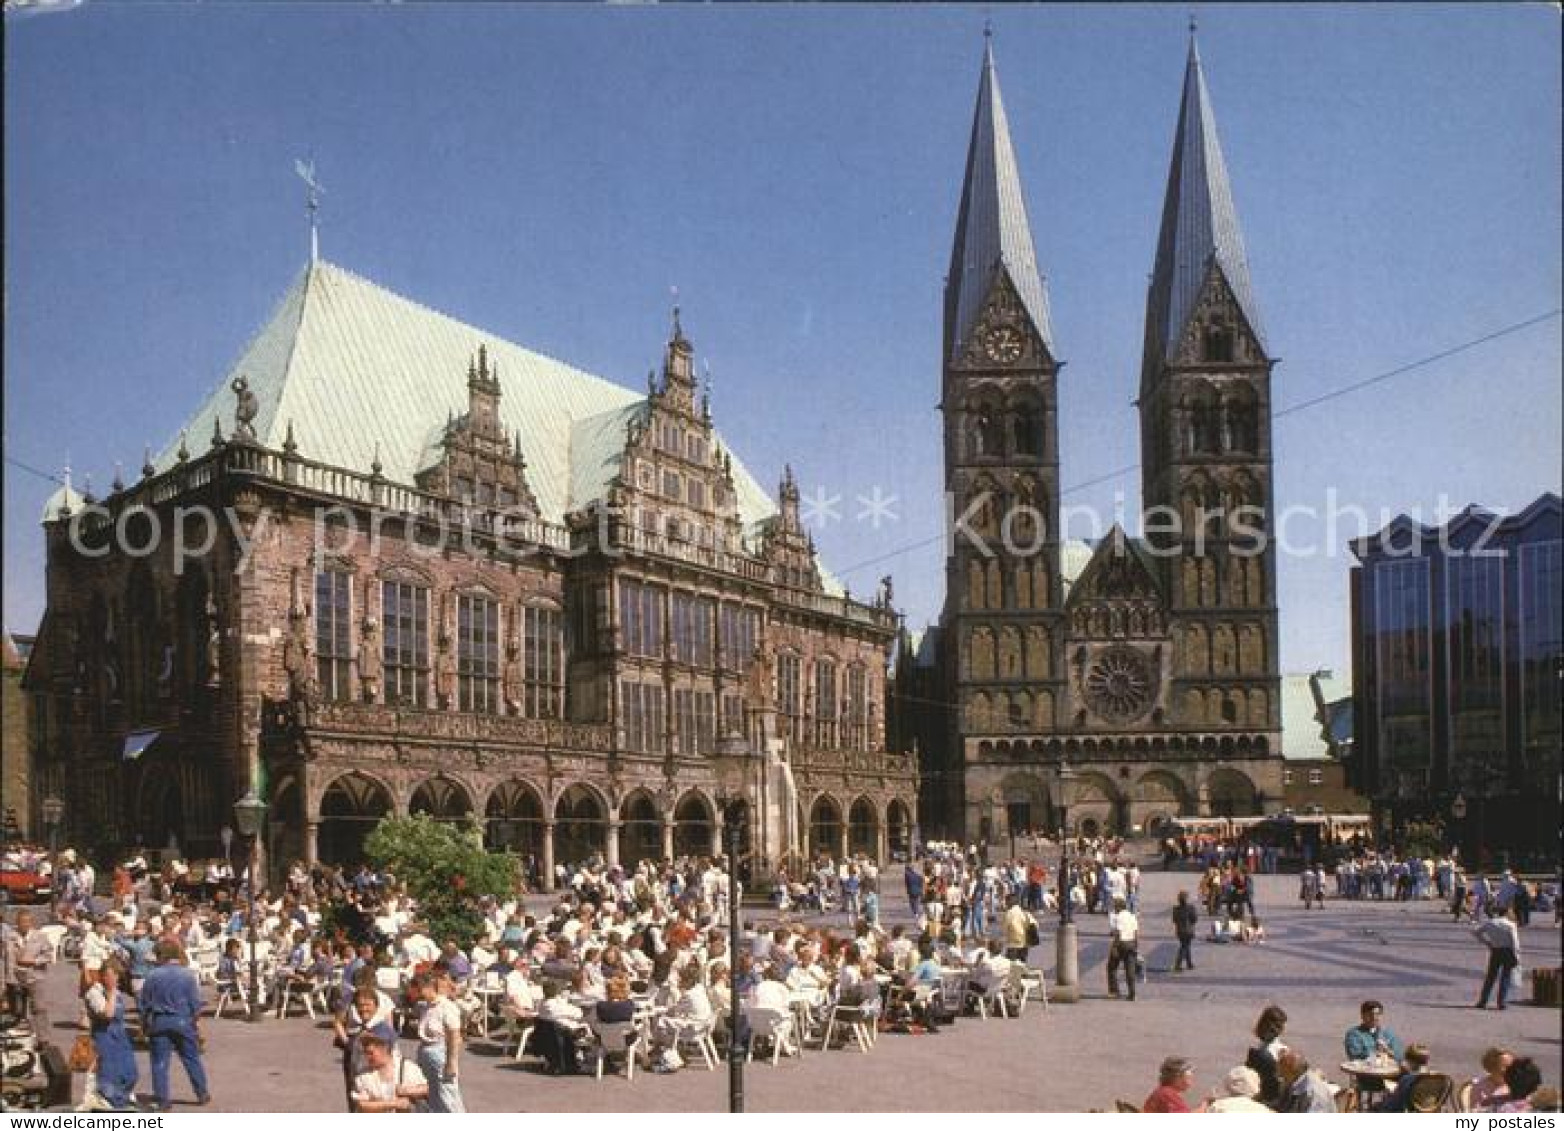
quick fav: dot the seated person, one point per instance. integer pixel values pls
(1490, 1090)
(1252, 931)
(1174, 1078)
(1370, 1036)
(692, 1011)
(1416, 1060)
(1524, 1081)
(616, 1005)
(1239, 1088)
(771, 992)
(1304, 1090)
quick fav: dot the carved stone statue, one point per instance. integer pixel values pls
(369, 659)
(212, 657)
(511, 677)
(297, 661)
(246, 409)
(445, 675)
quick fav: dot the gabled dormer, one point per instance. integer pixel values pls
(472, 460)
(784, 543)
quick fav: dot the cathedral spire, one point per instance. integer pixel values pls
(1199, 226)
(991, 228)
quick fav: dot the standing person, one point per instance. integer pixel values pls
(105, 1004)
(388, 1083)
(1123, 949)
(1020, 928)
(912, 877)
(28, 953)
(1504, 955)
(1185, 916)
(170, 1005)
(1264, 1059)
(440, 1044)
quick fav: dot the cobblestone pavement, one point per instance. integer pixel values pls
(1317, 965)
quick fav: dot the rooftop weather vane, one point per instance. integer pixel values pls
(306, 172)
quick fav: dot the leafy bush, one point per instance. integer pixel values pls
(445, 868)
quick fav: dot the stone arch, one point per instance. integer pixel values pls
(975, 584)
(1251, 649)
(898, 827)
(1020, 710)
(1259, 707)
(1197, 495)
(1202, 416)
(1039, 659)
(1241, 417)
(1162, 789)
(1208, 588)
(980, 712)
(1043, 709)
(987, 422)
(1194, 705)
(863, 829)
(694, 825)
(1224, 650)
(160, 806)
(513, 818)
(1009, 652)
(995, 597)
(1254, 581)
(1231, 793)
(1197, 653)
(1215, 712)
(350, 807)
(982, 652)
(580, 824)
(640, 829)
(1026, 425)
(825, 826)
(441, 797)
(1096, 798)
(1040, 591)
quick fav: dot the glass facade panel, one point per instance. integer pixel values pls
(1403, 653)
(640, 619)
(826, 708)
(543, 663)
(1474, 622)
(1541, 648)
(790, 698)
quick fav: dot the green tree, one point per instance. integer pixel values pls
(445, 867)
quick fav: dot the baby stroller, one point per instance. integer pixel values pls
(33, 1076)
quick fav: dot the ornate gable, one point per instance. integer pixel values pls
(1118, 594)
(477, 462)
(1003, 336)
(1218, 332)
(786, 546)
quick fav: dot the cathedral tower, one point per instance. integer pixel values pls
(1205, 410)
(1000, 628)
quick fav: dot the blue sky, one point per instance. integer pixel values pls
(548, 173)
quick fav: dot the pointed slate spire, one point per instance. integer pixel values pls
(991, 228)
(1199, 226)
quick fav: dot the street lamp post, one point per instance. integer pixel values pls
(53, 813)
(250, 816)
(734, 836)
(1066, 955)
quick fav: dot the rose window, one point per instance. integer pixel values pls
(1120, 685)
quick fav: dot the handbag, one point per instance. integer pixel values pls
(84, 1054)
(1033, 935)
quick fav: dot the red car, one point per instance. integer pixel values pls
(24, 883)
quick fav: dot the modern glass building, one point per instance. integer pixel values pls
(1458, 674)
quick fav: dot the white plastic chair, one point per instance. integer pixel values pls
(859, 1021)
(699, 1035)
(774, 1025)
(617, 1038)
(1026, 983)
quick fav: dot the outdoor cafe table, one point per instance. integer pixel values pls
(1362, 1071)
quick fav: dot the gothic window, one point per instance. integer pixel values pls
(1027, 431)
(641, 706)
(996, 586)
(790, 697)
(692, 627)
(1039, 584)
(1259, 714)
(143, 655)
(988, 431)
(1229, 709)
(1254, 577)
(979, 713)
(1043, 710)
(1203, 419)
(826, 710)
(1194, 706)
(1217, 344)
(740, 629)
(478, 654)
(694, 721)
(405, 642)
(1196, 658)
(543, 663)
(856, 708)
(640, 619)
(1251, 650)
(1242, 417)
(1207, 582)
(1214, 706)
(333, 634)
(1234, 712)
(1023, 587)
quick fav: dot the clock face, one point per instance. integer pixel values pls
(1002, 344)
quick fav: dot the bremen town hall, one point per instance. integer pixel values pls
(1110, 687)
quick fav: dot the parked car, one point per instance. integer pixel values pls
(25, 883)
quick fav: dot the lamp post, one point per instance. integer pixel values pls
(250, 816)
(1066, 953)
(53, 813)
(734, 836)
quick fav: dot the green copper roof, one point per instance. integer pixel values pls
(363, 374)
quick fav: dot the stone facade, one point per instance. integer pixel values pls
(354, 647)
(16, 722)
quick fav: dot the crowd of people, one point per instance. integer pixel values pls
(1386, 1076)
(646, 948)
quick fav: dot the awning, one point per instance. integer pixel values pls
(136, 743)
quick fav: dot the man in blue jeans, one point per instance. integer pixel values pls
(170, 1004)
